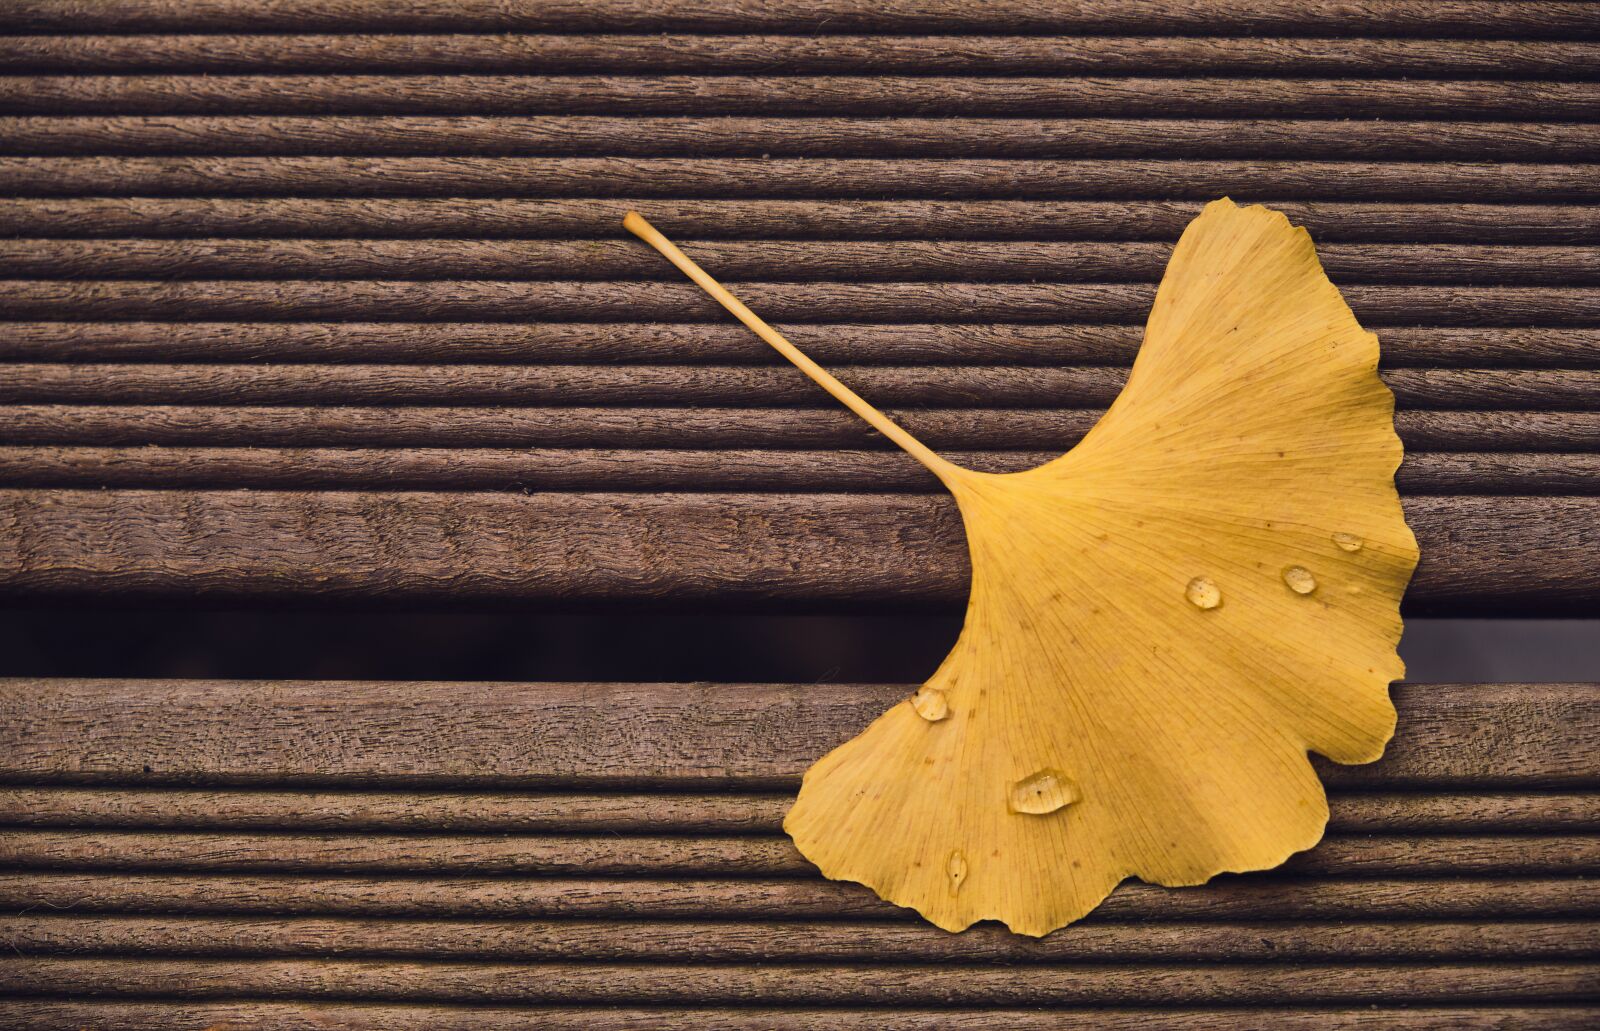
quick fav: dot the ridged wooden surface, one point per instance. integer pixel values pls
(318, 1016)
(226, 840)
(263, 734)
(1482, 553)
(328, 301)
(360, 247)
(1455, 18)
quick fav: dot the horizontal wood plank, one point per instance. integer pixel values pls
(719, 343)
(1381, 856)
(746, 941)
(1246, 898)
(798, 136)
(1465, 18)
(391, 469)
(783, 261)
(1429, 220)
(1546, 980)
(749, 814)
(915, 386)
(815, 95)
(812, 54)
(724, 549)
(818, 179)
(579, 301)
(420, 426)
(635, 343)
(35, 1014)
(271, 733)
(681, 386)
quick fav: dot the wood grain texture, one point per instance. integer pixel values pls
(1545, 980)
(811, 54)
(221, 468)
(815, 95)
(646, 343)
(719, 218)
(791, 261)
(773, 549)
(798, 136)
(280, 733)
(1246, 898)
(680, 386)
(793, 178)
(372, 854)
(578, 301)
(913, 386)
(748, 941)
(724, 549)
(36, 1014)
(620, 427)
(1458, 18)
(378, 275)
(442, 135)
(746, 813)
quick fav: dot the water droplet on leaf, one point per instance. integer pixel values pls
(1348, 541)
(957, 869)
(1203, 593)
(931, 704)
(1044, 792)
(1299, 579)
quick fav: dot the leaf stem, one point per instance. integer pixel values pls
(946, 471)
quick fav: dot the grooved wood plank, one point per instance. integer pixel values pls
(1247, 898)
(1383, 856)
(726, 549)
(440, 468)
(1548, 981)
(719, 343)
(686, 386)
(699, 942)
(794, 136)
(784, 261)
(52, 1014)
(566, 300)
(1534, 552)
(658, 813)
(722, 386)
(814, 179)
(687, 428)
(280, 733)
(815, 95)
(1464, 18)
(717, 218)
(814, 54)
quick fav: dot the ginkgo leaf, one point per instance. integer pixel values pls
(1162, 622)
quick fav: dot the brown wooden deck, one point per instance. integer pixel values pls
(328, 304)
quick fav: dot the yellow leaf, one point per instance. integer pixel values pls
(1162, 621)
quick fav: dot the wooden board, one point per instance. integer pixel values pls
(48, 1015)
(522, 844)
(327, 252)
(1533, 553)
(1381, 18)
(271, 733)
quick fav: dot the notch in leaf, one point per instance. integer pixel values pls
(1162, 622)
